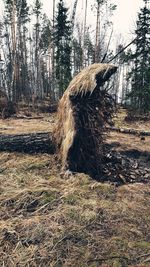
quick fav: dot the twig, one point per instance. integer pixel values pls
(122, 257)
(27, 118)
(143, 255)
(109, 258)
(121, 50)
(129, 131)
(59, 241)
(45, 205)
(146, 260)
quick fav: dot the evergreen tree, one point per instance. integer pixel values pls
(45, 45)
(89, 49)
(45, 38)
(140, 73)
(37, 12)
(77, 56)
(22, 30)
(62, 40)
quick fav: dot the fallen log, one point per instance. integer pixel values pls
(129, 131)
(43, 142)
(28, 143)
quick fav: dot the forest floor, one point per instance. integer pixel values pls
(48, 220)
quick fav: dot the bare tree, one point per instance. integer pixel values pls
(84, 34)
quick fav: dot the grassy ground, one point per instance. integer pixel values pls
(51, 221)
(120, 121)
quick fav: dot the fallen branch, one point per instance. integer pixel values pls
(129, 131)
(26, 117)
(99, 260)
(124, 48)
(129, 260)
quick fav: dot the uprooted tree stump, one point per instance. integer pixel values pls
(78, 136)
(83, 112)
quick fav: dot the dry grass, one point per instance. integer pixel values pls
(126, 141)
(51, 221)
(137, 125)
(16, 126)
(86, 80)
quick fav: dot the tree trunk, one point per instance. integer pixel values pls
(14, 65)
(53, 52)
(28, 143)
(84, 35)
(97, 41)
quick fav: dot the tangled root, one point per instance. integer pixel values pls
(83, 112)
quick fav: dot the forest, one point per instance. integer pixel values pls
(74, 135)
(39, 56)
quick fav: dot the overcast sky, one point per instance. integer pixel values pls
(124, 17)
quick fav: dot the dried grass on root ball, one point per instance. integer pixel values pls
(83, 112)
